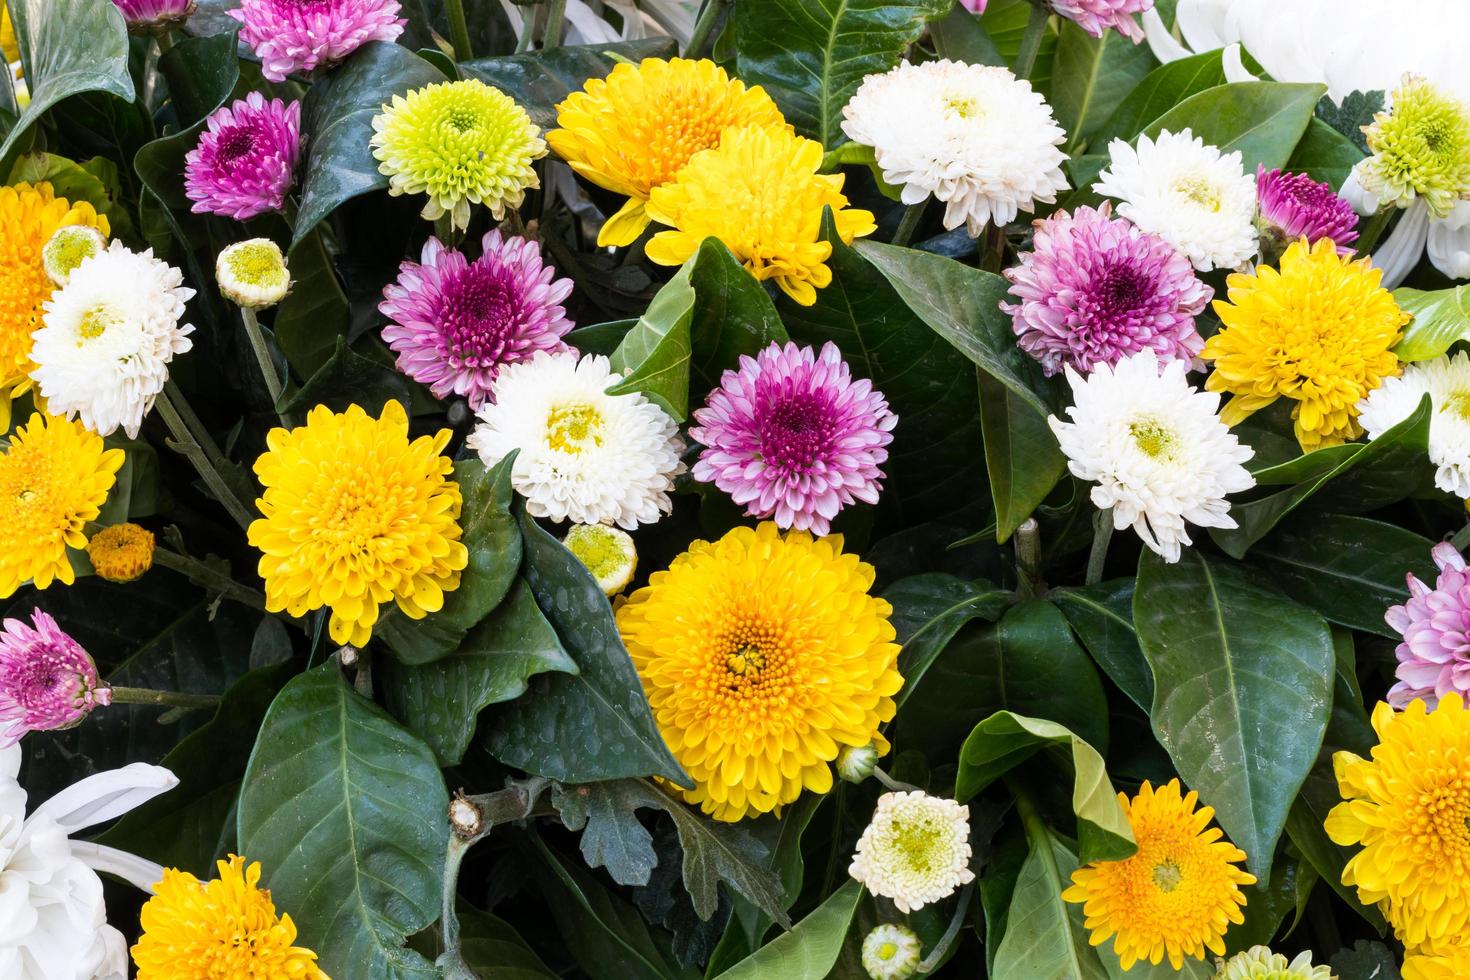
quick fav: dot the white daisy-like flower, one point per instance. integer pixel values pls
(1446, 380)
(585, 456)
(891, 952)
(916, 849)
(1183, 190)
(253, 273)
(1155, 448)
(974, 136)
(109, 335)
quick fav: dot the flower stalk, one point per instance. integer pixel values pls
(195, 444)
(909, 223)
(1036, 25)
(703, 28)
(172, 699)
(263, 358)
(1102, 535)
(459, 30)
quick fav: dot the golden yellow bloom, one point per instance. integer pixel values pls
(356, 515)
(121, 553)
(1449, 963)
(1408, 807)
(758, 192)
(1177, 895)
(225, 929)
(28, 217)
(54, 478)
(1318, 332)
(7, 35)
(636, 129)
(762, 656)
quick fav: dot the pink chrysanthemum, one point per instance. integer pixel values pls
(154, 15)
(1434, 659)
(792, 436)
(1095, 289)
(245, 161)
(47, 681)
(301, 35)
(457, 322)
(974, 6)
(1293, 205)
(1096, 16)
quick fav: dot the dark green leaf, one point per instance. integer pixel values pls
(1348, 118)
(1325, 154)
(653, 357)
(316, 316)
(1045, 938)
(1163, 89)
(1090, 78)
(347, 813)
(810, 949)
(929, 609)
(349, 378)
(1441, 318)
(961, 37)
(1242, 690)
(1263, 120)
(1022, 457)
(1005, 21)
(490, 945)
(1365, 961)
(1102, 616)
(733, 315)
(1269, 904)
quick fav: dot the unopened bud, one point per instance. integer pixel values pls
(607, 552)
(69, 247)
(857, 762)
(253, 273)
(891, 952)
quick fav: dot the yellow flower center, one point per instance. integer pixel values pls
(1199, 191)
(257, 264)
(962, 106)
(96, 321)
(1153, 438)
(574, 428)
(887, 951)
(1458, 405)
(1167, 875)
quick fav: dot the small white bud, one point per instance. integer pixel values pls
(608, 553)
(253, 273)
(891, 952)
(68, 248)
(856, 763)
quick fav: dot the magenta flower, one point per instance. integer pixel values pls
(47, 681)
(245, 160)
(1293, 205)
(792, 435)
(301, 35)
(153, 15)
(1096, 16)
(457, 322)
(1434, 659)
(974, 6)
(1095, 289)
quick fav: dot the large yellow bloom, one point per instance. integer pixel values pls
(1318, 332)
(762, 656)
(356, 515)
(1450, 963)
(1177, 895)
(28, 216)
(1408, 807)
(226, 929)
(758, 192)
(636, 129)
(54, 478)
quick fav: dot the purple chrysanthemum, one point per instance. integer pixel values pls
(154, 15)
(1095, 289)
(301, 35)
(1293, 205)
(1096, 16)
(1434, 659)
(792, 436)
(47, 681)
(245, 160)
(457, 322)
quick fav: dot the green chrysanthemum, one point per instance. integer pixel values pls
(1259, 963)
(1420, 149)
(461, 143)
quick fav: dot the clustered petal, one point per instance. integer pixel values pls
(290, 36)
(607, 552)
(246, 158)
(1259, 963)
(792, 436)
(891, 952)
(1419, 149)
(1095, 289)
(1446, 963)
(1294, 206)
(761, 656)
(47, 681)
(915, 850)
(155, 15)
(1096, 16)
(455, 323)
(252, 273)
(1446, 380)
(1434, 657)
(121, 552)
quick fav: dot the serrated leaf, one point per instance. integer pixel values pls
(1441, 317)
(1102, 617)
(653, 357)
(1367, 960)
(929, 609)
(347, 814)
(1356, 110)
(810, 949)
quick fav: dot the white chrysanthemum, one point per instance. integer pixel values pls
(1446, 380)
(253, 273)
(608, 553)
(1156, 449)
(916, 849)
(974, 136)
(585, 456)
(1186, 192)
(108, 338)
(891, 952)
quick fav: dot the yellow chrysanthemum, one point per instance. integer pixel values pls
(54, 478)
(1177, 895)
(1319, 332)
(121, 553)
(1450, 963)
(356, 515)
(758, 192)
(762, 656)
(7, 35)
(1409, 808)
(225, 929)
(28, 217)
(636, 129)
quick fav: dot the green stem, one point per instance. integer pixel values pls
(263, 358)
(993, 248)
(150, 73)
(1373, 230)
(202, 453)
(1102, 534)
(909, 223)
(891, 784)
(1031, 41)
(528, 28)
(703, 28)
(936, 955)
(172, 699)
(459, 30)
(210, 578)
(1027, 543)
(556, 15)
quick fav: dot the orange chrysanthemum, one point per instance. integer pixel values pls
(121, 553)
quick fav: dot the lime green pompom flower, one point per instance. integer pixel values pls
(1259, 963)
(461, 143)
(1420, 149)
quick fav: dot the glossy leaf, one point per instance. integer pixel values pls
(1161, 90)
(1090, 78)
(349, 378)
(1022, 457)
(1102, 617)
(928, 610)
(733, 315)
(810, 949)
(315, 317)
(1242, 690)
(347, 813)
(1045, 938)
(653, 357)
(1324, 154)
(1441, 317)
(1263, 120)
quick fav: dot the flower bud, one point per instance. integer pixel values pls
(857, 762)
(253, 273)
(67, 248)
(607, 552)
(47, 681)
(121, 553)
(155, 16)
(891, 952)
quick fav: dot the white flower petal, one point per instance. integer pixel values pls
(1400, 253)
(1449, 242)
(140, 872)
(1235, 70)
(106, 795)
(1161, 42)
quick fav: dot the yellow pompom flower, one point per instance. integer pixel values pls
(224, 928)
(1409, 808)
(1449, 963)
(121, 553)
(1177, 895)
(1319, 332)
(762, 656)
(758, 192)
(29, 216)
(461, 143)
(357, 515)
(54, 478)
(637, 128)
